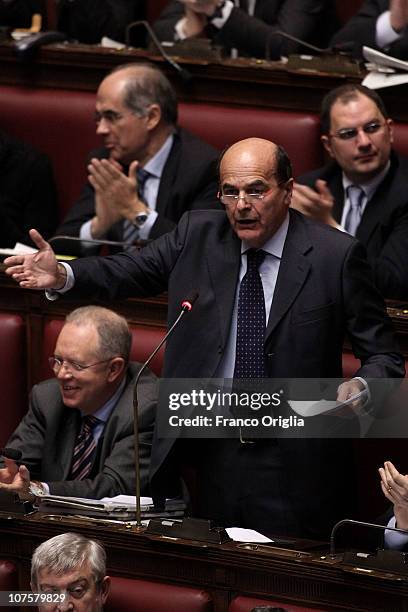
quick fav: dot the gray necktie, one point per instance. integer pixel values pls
(130, 232)
(355, 195)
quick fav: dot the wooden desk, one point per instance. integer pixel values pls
(224, 571)
(256, 83)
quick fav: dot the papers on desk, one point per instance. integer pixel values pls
(382, 70)
(23, 249)
(122, 507)
(238, 534)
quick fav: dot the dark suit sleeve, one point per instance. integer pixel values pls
(369, 328)
(361, 30)
(390, 266)
(249, 34)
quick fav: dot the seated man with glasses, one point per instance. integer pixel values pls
(363, 190)
(69, 573)
(77, 436)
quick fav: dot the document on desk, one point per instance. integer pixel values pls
(382, 70)
(238, 534)
(115, 508)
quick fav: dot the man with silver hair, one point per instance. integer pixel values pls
(149, 171)
(72, 570)
(77, 436)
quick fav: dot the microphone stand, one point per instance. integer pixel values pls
(185, 74)
(185, 307)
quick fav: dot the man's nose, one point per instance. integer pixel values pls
(64, 372)
(102, 126)
(363, 139)
(242, 202)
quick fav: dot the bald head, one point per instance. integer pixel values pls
(140, 86)
(259, 172)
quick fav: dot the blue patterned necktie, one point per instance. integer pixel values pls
(355, 195)
(251, 321)
(85, 447)
(130, 232)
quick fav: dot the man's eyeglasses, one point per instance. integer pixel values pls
(230, 195)
(56, 364)
(349, 133)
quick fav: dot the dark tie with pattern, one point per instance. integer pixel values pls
(251, 321)
(355, 195)
(130, 232)
(85, 446)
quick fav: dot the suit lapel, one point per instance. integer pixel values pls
(293, 271)
(66, 441)
(224, 274)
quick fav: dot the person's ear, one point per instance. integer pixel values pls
(117, 366)
(325, 140)
(105, 588)
(153, 116)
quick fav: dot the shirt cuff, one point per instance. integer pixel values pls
(179, 30)
(219, 22)
(46, 488)
(85, 234)
(144, 231)
(394, 539)
(53, 294)
(385, 34)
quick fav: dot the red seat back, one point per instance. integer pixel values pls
(401, 138)
(13, 375)
(58, 123)
(221, 126)
(145, 596)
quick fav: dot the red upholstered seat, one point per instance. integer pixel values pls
(145, 339)
(58, 123)
(401, 138)
(8, 578)
(221, 126)
(246, 604)
(13, 375)
(145, 596)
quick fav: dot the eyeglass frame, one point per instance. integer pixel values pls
(56, 364)
(69, 592)
(355, 131)
(256, 197)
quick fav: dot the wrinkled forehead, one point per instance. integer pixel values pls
(245, 167)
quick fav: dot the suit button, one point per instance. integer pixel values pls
(220, 349)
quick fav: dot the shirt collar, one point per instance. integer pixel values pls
(370, 186)
(105, 411)
(273, 246)
(156, 164)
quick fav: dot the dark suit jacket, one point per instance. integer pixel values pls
(384, 225)
(27, 192)
(188, 182)
(18, 13)
(46, 437)
(89, 20)
(324, 289)
(360, 30)
(305, 19)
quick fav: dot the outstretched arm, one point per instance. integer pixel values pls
(40, 270)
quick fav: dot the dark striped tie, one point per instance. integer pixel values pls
(130, 232)
(249, 353)
(84, 450)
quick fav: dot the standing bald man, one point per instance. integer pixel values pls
(316, 286)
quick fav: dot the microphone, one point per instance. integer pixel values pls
(185, 74)
(27, 46)
(11, 453)
(361, 524)
(97, 242)
(186, 306)
(345, 47)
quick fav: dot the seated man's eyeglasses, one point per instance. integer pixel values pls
(349, 133)
(56, 364)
